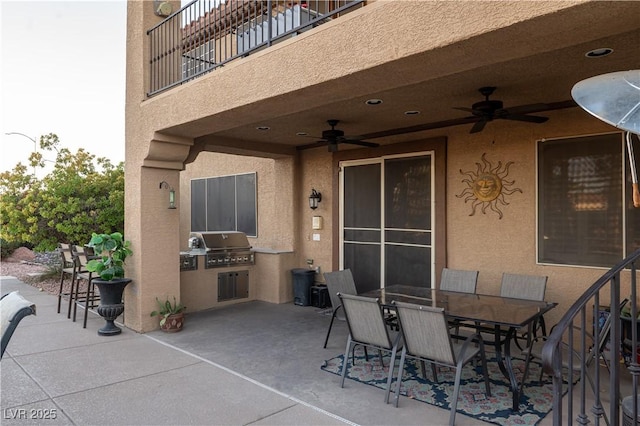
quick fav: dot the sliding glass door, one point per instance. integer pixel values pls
(387, 220)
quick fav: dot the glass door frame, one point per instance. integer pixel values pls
(381, 160)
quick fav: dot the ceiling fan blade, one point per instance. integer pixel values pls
(478, 126)
(312, 145)
(466, 120)
(527, 118)
(333, 137)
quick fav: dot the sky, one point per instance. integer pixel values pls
(63, 72)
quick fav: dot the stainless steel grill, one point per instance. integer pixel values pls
(228, 248)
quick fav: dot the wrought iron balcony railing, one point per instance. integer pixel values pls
(597, 349)
(206, 34)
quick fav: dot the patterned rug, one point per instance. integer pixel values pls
(534, 405)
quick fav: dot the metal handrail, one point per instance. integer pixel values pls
(564, 336)
(206, 34)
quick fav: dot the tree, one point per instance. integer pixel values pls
(82, 193)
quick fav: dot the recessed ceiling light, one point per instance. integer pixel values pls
(373, 101)
(599, 53)
(411, 112)
(301, 134)
(263, 128)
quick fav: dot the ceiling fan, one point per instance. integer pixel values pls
(333, 137)
(482, 112)
(490, 109)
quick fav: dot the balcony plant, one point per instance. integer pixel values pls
(110, 252)
(171, 315)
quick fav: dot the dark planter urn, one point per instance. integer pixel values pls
(111, 305)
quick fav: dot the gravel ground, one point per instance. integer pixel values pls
(40, 270)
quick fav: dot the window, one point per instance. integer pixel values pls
(226, 203)
(585, 208)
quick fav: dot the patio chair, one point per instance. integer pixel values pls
(426, 337)
(367, 327)
(461, 281)
(88, 297)
(528, 287)
(13, 307)
(524, 287)
(338, 282)
(68, 268)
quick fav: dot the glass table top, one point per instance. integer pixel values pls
(495, 310)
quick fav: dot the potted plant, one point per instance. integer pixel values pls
(171, 315)
(110, 252)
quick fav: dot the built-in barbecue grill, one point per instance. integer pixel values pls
(227, 248)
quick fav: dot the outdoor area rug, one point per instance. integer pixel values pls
(534, 405)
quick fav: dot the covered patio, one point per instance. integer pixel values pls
(250, 363)
(281, 346)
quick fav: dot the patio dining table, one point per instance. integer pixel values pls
(505, 316)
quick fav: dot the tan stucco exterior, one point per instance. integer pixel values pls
(202, 129)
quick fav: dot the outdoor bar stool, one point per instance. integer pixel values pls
(77, 251)
(89, 298)
(68, 267)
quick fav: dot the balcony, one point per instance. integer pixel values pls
(206, 34)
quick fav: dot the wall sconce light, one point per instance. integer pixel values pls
(172, 194)
(314, 199)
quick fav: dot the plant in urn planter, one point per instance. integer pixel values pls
(171, 315)
(111, 250)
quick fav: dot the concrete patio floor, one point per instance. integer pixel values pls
(251, 363)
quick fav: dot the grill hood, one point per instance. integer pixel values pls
(221, 240)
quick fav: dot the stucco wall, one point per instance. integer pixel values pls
(493, 245)
(315, 172)
(274, 188)
(235, 95)
(482, 241)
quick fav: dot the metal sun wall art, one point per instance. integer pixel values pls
(487, 186)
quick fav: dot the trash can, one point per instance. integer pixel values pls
(302, 282)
